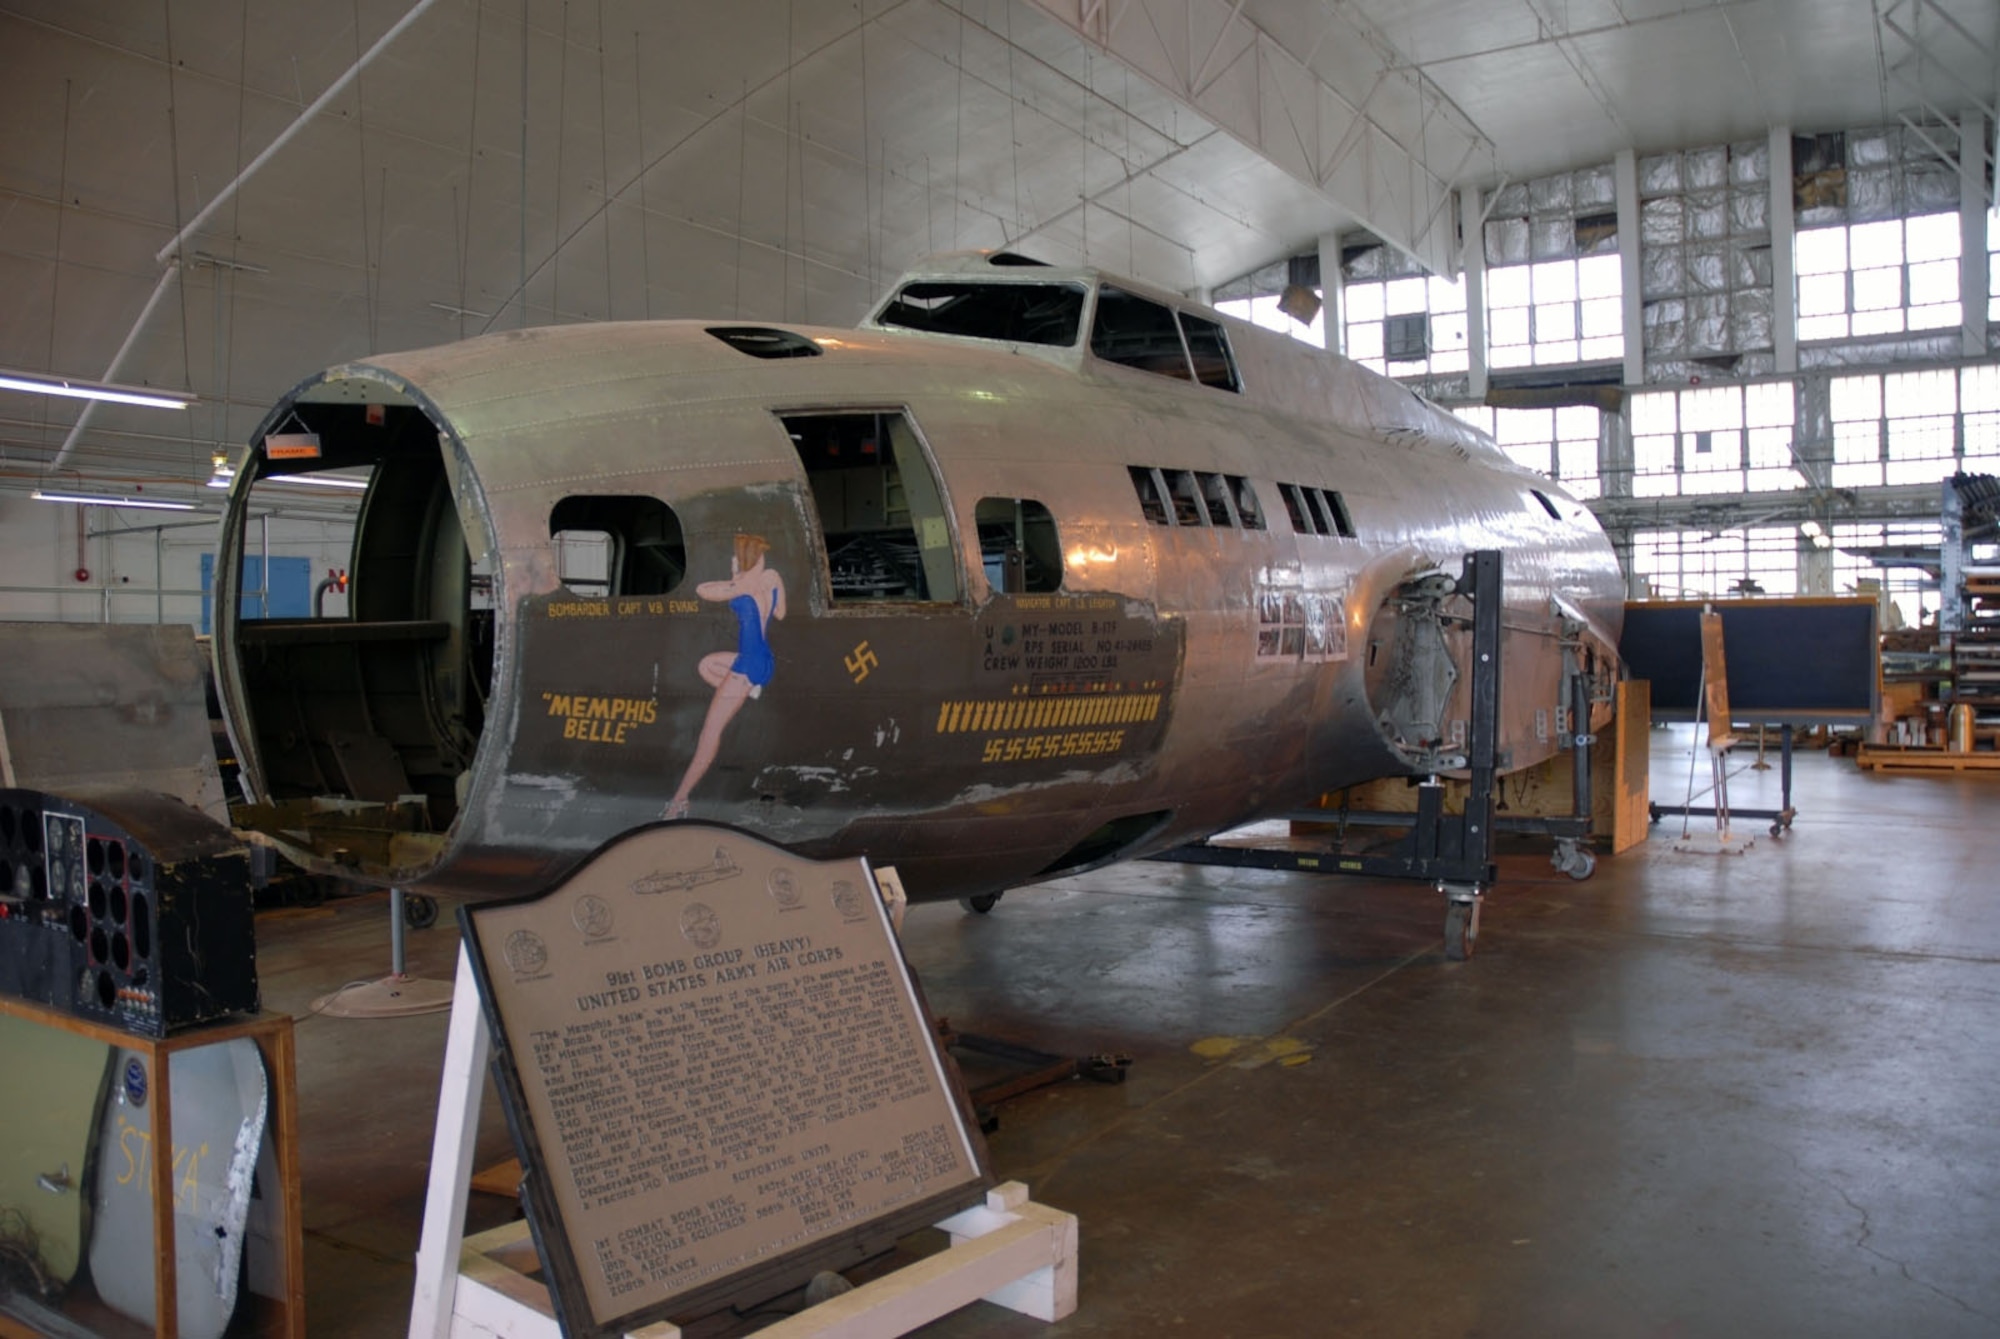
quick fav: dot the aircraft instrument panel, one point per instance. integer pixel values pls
(151, 933)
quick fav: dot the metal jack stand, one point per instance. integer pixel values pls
(397, 995)
(1040, 1069)
(1451, 852)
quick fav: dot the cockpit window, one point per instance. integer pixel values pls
(1138, 332)
(1016, 313)
(1209, 348)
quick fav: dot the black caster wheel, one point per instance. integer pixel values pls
(981, 903)
(1575, 860)
(1461, 930)
(419, 911)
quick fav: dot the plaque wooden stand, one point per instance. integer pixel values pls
(1009, 1251)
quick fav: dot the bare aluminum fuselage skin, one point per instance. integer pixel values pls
(971, 743)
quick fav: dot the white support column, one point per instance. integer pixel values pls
(1972, 259)
(1473, 255)
(1784, 283)
(1625, 173)
(1332, 293)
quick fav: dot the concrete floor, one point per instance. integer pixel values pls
(1694, 1095)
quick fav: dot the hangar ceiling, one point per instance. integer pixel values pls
(223, 196)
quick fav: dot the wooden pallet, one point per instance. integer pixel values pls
(1885, 758)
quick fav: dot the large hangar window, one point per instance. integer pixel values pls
(1018, 313)
(617, 545)
(1018, 545)
(881, 512)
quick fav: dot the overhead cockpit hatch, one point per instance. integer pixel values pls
(761, 341)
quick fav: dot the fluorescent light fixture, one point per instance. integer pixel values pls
(34, 383)
(317, 480)
(95, 500)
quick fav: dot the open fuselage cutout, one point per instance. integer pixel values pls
(880, 512)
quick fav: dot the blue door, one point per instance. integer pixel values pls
(289, 594)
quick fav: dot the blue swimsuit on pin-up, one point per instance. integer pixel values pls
(753, 654)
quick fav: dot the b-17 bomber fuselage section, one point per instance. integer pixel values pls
(1033, 571)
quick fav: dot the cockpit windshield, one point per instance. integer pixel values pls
(1017, 313)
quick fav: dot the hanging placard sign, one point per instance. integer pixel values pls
(292, 446)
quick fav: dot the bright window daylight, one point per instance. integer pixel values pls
(1713, 439)
(1705, 564)
(1555, 311)
(1881, 278)
(1915, 427)
(1407, 327)
(1561, 443)
(1263, 311)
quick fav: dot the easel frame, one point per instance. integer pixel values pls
(1009, 1251)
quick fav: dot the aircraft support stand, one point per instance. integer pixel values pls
(1451, 852)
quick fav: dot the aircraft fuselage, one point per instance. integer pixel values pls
(982, 609)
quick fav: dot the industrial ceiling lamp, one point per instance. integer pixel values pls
(100, 500)
(36, 383)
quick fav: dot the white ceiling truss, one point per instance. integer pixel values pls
(225, 196)
(1936, 68)
(1344, 112)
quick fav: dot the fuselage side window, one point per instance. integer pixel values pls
(880, 510)
(1138, 332)
(609, 545)
(1152, 498)
(1019, 546)
(1187, 501)
(1208, 347)
(1215, 496)
(1246, 502)
(1295, 507)
(1336, 512)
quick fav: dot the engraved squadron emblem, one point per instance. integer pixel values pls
(526, 954)
(701, 925)
(592, 915)
(849, 901)
(784, 888)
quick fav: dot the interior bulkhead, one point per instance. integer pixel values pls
(357, 730)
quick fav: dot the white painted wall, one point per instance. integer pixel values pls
(144, 576)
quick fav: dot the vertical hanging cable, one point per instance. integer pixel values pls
(805, 278)
(55, 271)
(604, 157)
(645, 219)
(742, 180)
(464, 222)
(785, 166)
(225, 333)
(361, 153)
(562, 139)
(868, 214)
(174, 186)
(521, 288)
(958, 137)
